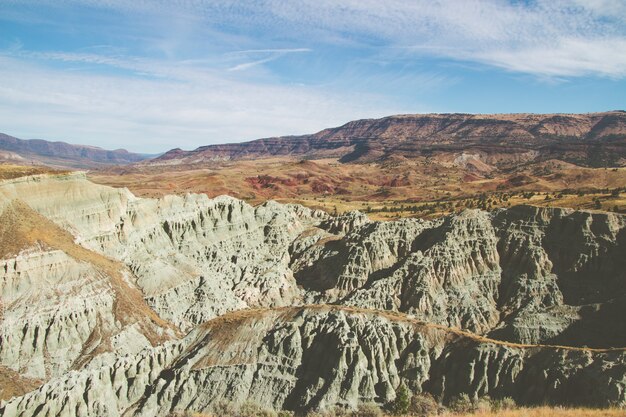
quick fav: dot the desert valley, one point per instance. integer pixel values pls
(167, 297)
(312, 208)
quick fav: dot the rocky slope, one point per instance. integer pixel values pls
(64, 306)
(98, 287)
(592, 139)
(61, 154)
(525, 274)
(315, 357)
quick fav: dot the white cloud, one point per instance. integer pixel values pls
(270, 55)
(501, 33)
(151, 115)
(223, 90)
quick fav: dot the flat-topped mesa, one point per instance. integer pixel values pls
(317, 357)
(570, 137)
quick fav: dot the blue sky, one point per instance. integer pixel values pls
(152, 75)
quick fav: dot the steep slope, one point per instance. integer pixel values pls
(317, 357)
(593, 139)
(64, 306)
(61, 154)
(525, 274)
(91, 276)
(194, 258)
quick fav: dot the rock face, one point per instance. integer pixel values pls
(526, 274)
(315, 357)
(63, 306)
(193, 258)
(593, 139)
(98, 288)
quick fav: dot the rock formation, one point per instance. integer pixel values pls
(592, 139)
(316, 357)
(113, 304)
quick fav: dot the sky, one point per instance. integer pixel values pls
(151, 75)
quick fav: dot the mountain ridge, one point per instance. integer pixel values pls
(63, 154)
(570, 137)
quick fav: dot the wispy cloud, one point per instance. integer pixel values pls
(202, 71)
(541, 37)
(270, 51)
(189, 109)
(269, 55)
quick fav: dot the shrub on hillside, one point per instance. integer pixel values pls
(367, 410)
(400, 405)
(224, 408)
(423, 404)
(363, 410)
(506, 403)
(461, 404)
(482, 404)
(252, 409)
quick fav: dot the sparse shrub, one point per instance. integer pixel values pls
(285, 413)
(224, 408)
(423, 405)
(482, 404)
(500, 404)
(368, 410)
(461, 404)
(252, 409)
(333, 412)
(400, 405)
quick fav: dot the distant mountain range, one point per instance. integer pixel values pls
(61, 154)
(592, 139)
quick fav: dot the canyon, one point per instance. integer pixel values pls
(113, 304)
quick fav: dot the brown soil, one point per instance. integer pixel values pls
(422, 187)
(13, 384)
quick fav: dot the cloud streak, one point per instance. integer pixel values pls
(556, 35)
(271, 55)
(492, 32)
(153, 72)
(152, 115)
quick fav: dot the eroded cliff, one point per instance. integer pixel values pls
(98, 288)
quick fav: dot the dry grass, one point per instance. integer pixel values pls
(517, 412)
(12, 384)
(226, 323)
(9, 171)
(546, 412)
(421, 182)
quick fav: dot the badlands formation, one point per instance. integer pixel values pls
(117, 305)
